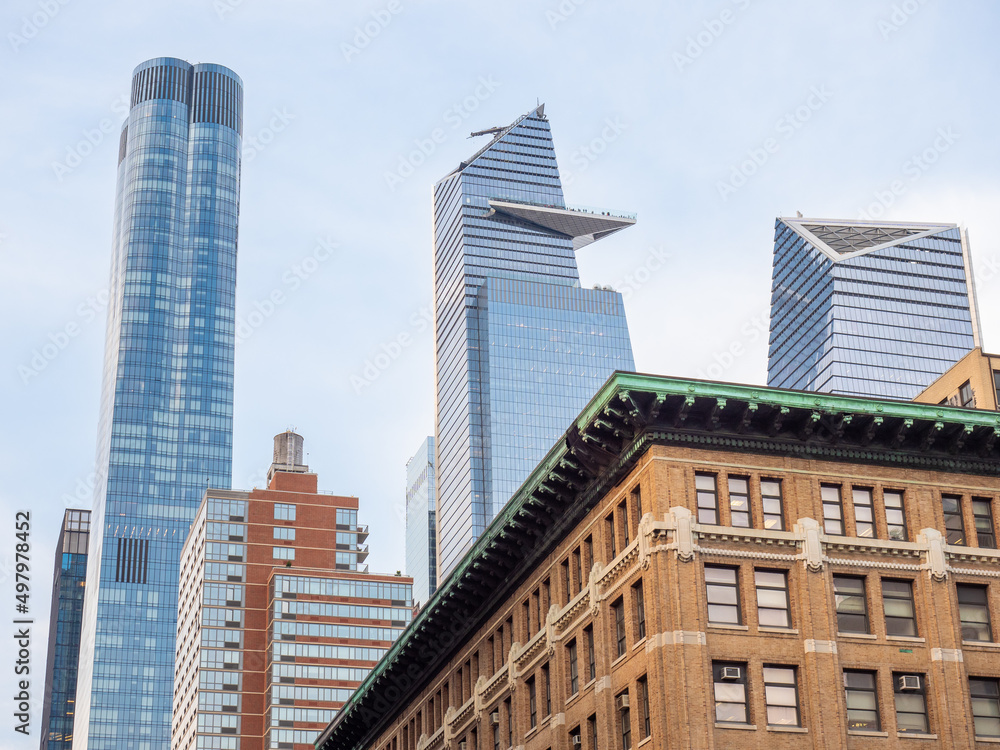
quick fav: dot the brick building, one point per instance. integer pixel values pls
(972, 382)
(708, 565)
(278, 618)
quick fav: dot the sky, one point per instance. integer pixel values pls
(708, 119)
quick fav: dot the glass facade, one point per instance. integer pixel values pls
(421, 530)
(165, 429)
(863, 309)
(520, 348)
(65, 619)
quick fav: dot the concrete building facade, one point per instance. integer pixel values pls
(706, 565)
(279, 619)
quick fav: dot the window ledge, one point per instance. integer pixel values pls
(639, 643)
(786, 631)
(905, 638)
(618, 660)
(572, 698)
(724, 626)
(794, 730)
(645, 741)
(862, 733)
(916, 736)
(980, 644)
(726, 725)
(864, 636)
(991, 740)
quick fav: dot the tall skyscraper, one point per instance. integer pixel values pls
(166, 421)
(59, 705)
(279, 618)
(519, 347)
(421, 522)
(866, 308)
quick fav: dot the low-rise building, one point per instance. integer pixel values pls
(973, 382)
(708, 565)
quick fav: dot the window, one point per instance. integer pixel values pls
(974, 612)
(591, 660)
(574, 669)
(532, 703)
(851, 603)
(722, 591)
(625, 717)
(547, 684)
(966, 397)
(833, 511)
(578, 571)
(862, 701)
(284, 533)
(897, 601)
(618, 611)
(575, 738)
(591, 732)
(739, 502)
(642, 693)
(770, 496)
(284, 553)
(982, 514)
(895, 515)
(284, 512)
(985, 694)
(730, 687)
(640, 611)
(864, 518)
(510, 723)
(609, 532)
(623, 522)
(911, 703)
(637, 502)
(996, 385)
(772, 598)
(954, 526)
(782, 696)
(567, 594)
(708, 498)
(496, 737)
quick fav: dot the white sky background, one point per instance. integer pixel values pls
(892, 75)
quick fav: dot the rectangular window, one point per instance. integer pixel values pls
(623, 522)
(851, 603)
(772, 598)
(864, 517)
(770, 496)
(640, 611)
(591, 732)
(739, 502)
(609, 532)
(574, 669)
(895, 515)
(862, 701)
(782, 696)
(532, 703)
(982, 514)
(966, 397)
(708, 498)
(618, 612)
(637, 503)
(496, 737)
(284, 533)
(625, 717)
(985, 694)
(974, 612)
(954, 525)
(642, 693)
(284, 512)
(722, 591)
(911, 703)
(510, 723)
(833, 509)
(547, 685)
(591, 660)
(730, 688)
(567, 594)
(897, 602)
(577, 571)
(284, 553)
(575, 738)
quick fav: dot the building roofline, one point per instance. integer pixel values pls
(629, 414)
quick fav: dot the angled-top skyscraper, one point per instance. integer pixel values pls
(519, 347)
(866, 308)
(166, 421)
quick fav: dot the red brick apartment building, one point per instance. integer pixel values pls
(709, 565)
(278, 618)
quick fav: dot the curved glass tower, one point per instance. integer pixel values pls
(166, 420)
(520, 348)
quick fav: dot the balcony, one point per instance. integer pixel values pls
(583, 224)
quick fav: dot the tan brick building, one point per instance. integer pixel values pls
(972, 382)
(278, 618)
(706, 565)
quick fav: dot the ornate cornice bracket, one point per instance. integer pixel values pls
(683, 533)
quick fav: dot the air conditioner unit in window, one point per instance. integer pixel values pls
(909, 682)
(463, 745)
(495, 718)
(576, 741)
(730, 673)
(622, 701)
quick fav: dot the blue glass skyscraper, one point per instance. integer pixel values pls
(59, 706)
(421, 521)
(166, 421)
(869, 308)
(519, 347)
